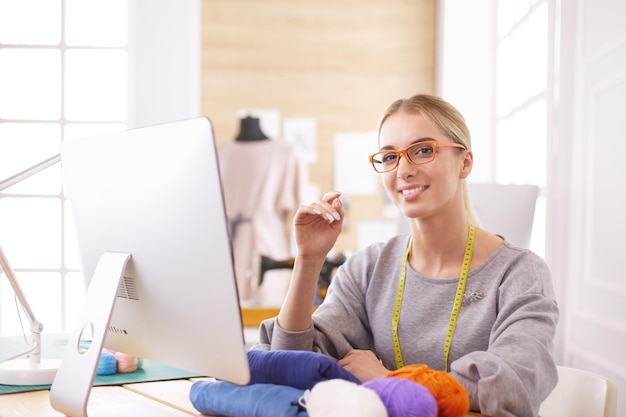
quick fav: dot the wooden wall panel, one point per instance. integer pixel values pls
(341, 62)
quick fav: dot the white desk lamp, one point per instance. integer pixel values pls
(34, 370)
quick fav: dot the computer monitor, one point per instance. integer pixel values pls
(156, 255)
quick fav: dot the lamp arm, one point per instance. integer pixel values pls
(21, 176)
(36, 326)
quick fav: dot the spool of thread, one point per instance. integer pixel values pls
(107, 364)
(341, 398)
(126, 363)
(451, 397)
(403, 398)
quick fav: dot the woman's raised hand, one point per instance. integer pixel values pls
(317, 225)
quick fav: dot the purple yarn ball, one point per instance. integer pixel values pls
(403, 397)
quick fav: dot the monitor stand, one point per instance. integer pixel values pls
(71, 388)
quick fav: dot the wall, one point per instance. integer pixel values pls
(163, 61)
(587, 188)
(340, 62)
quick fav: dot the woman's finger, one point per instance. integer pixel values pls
(329, 207)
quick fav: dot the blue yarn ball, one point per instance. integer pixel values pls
(107, 365)
(403, 397)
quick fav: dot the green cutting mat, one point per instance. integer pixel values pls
(53, 347)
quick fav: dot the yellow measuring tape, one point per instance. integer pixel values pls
(456, 307)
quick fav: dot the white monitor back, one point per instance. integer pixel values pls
(155, 193)
(507, 210)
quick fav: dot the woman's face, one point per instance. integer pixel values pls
(427, 189)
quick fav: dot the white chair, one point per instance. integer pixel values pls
(580, 394)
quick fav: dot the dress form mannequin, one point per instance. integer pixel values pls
(250, 130)
(263, 186)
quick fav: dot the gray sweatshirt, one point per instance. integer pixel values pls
(501, 348)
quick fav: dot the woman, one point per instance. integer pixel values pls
(449, 295)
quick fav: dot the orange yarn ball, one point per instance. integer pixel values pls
(452, 397)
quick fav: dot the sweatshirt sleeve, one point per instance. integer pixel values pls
(339, 324)
(517, 372)
(330, 342)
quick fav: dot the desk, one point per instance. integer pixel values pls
(170, 396)
(253, 316)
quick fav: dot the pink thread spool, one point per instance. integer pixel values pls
(126, 363)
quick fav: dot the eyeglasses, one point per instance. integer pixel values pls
(417, 154)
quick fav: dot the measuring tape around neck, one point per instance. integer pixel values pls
(456, 306)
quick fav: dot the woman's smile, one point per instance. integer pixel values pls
(412, 191)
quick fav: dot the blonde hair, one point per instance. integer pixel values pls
(448, 119)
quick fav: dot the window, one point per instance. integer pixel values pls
(495, 64)
(63, 75)
(523, 98)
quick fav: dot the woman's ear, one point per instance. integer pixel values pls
(468, 163)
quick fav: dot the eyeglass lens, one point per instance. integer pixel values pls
(419, 153)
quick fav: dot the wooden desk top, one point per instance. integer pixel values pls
(168, 397)
(103, 401)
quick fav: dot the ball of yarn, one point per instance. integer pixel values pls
(452, 397)
(404, 398)
(126, 363)
(107, 364)
(341, 398)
